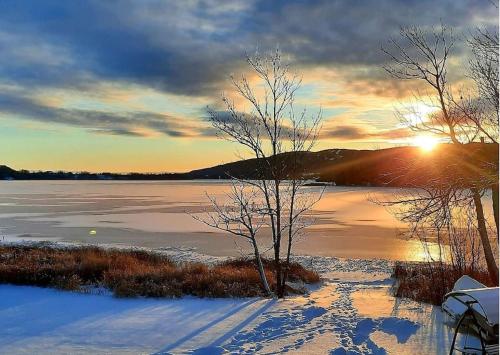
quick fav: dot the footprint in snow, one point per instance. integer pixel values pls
(403, 329)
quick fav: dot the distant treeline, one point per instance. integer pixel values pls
(7, 173)
(400, 166)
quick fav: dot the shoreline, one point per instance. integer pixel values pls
(322, 264)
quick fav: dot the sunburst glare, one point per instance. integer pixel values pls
(426, 143)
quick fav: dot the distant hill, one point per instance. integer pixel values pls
(400, 166)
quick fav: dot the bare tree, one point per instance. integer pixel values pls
(276, 136)
(485, 115)
(241, 217)
(424, 56)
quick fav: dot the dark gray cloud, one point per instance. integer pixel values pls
(345, 132)
(172, 46)
(351, 32)
(123, 123)
(189, 47)
(351, 132)
(116, 131)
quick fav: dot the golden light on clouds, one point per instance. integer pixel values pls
(417, 113)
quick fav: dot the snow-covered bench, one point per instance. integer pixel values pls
(474, 306)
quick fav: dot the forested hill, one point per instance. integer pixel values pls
(400, 166)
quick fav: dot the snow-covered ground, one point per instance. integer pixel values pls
(352, 312)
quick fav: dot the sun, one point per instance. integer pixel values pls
(426, 143)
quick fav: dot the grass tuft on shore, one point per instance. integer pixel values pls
(429, 282)
(131, 273)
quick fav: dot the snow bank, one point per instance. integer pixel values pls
(351, 313)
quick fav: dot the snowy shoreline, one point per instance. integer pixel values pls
(320, 264)
(352, 311)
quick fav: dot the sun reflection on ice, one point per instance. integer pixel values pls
(428, 251)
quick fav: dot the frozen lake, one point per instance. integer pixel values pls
(154, 214)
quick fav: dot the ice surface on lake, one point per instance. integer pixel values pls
(154, 214)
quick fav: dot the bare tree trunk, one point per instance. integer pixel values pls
(290, 236)
(488, 253)
(260, 267)
(280, 292)
(494, 198)
(287, 262)
(280, 289)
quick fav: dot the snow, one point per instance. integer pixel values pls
(352, 312)
(466, 282)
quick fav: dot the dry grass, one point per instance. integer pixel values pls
(134, 273)
(429, 282)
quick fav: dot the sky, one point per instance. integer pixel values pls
(124, 85)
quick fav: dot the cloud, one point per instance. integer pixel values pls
(189, 47)
(178, 47)
(351, 32)
(129, 123)
(116, 131)
(351, 132)
(345, 132)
